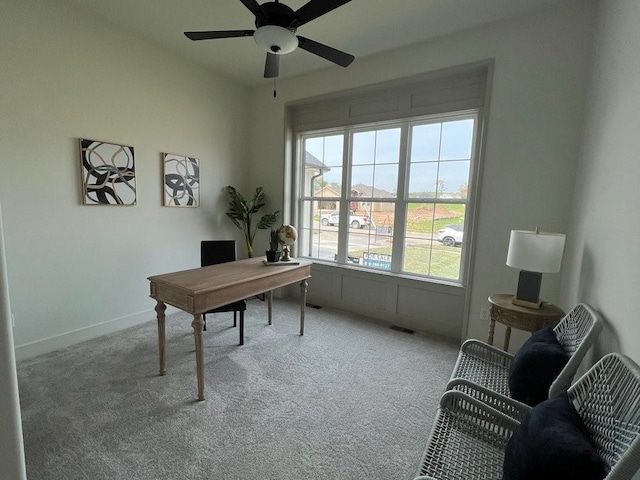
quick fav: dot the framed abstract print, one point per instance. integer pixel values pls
(181, 181)
(108, 173)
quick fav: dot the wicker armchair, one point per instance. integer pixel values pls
(607, 398)
(487, 367)
(468, 438)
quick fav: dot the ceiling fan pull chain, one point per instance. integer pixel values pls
(274, 88)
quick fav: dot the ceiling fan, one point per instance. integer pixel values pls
(276, 25)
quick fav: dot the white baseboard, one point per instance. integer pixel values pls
(50, 344)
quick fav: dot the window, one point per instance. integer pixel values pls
(390, 196)
(384, 178)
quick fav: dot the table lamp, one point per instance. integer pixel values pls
(534, 253)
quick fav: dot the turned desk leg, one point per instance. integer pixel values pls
(270, 305)
(492, 328)
(507, 338)
(303, 303)
(197, 325)
(160, 309)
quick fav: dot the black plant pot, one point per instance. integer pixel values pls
(273, 256)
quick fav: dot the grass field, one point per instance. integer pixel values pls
(433, 260)
(426, 257)
(422, 255)
(423, 218)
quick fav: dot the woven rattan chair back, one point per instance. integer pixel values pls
(576, 332)
(467, 440)
(607, 398)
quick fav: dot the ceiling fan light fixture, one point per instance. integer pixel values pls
(275, 39)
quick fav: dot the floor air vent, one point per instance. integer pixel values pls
(400, 329)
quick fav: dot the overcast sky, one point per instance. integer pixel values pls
(376, 153)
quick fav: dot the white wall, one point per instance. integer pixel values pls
(541, 65)
(603, 261)
(78, 271)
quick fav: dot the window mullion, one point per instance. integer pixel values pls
(345, 193)
(401, 205)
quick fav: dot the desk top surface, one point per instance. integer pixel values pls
(227, 274)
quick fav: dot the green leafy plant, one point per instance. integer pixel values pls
(242, 211)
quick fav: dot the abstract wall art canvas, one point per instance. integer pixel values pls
(181, 181)
(108, 173)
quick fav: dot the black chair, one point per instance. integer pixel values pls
(213, 252)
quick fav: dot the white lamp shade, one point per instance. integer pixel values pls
(535, 252)
(274, 39)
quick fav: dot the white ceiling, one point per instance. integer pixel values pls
(361, 28)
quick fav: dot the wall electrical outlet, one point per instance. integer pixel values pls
(484, 314)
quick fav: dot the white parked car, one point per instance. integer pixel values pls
(451, 235)
(355, 221)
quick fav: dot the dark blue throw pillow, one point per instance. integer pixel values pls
(535, 366)
(552, 443)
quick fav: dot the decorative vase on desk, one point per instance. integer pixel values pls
(273, 254)
(273, 257)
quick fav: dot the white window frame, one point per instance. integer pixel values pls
(402, 199)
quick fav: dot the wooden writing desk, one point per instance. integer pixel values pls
(198, 290)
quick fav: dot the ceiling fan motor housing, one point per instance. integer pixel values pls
(273, 31)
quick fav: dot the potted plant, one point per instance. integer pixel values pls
(273, 254)
(241, 212)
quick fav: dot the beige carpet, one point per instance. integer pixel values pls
(351, 399)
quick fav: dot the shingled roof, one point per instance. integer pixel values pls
(310, 161)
